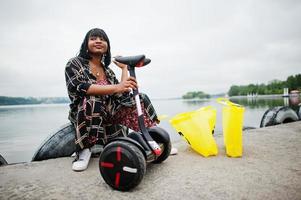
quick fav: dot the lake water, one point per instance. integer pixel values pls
(24, 128)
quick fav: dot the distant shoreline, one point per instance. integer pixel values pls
(34, 105)
(27, 101)
(264, 96)
(7, 101)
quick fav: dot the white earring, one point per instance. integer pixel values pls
(103, 58)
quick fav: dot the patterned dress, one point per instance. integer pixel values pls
(98, 119)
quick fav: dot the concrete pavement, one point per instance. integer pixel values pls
(269, 169)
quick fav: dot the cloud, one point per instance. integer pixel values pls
(194, 45)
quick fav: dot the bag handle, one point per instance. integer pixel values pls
(227, 102)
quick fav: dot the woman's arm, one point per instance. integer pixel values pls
(76, 84)
(124, 86)
(123, 67)
(74, 79)
(124, 74)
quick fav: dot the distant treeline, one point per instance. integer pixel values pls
(273, 87)
(4, 100)
(196, 95)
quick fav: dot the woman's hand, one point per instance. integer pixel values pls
(126, 85)
(120, 65)
(124, 69)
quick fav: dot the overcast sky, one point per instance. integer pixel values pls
(193, 44)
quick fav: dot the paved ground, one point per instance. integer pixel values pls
(269, 169)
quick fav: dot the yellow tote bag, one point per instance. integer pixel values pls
(196, 129)
(232, 118)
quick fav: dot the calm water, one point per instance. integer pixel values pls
(24, 128)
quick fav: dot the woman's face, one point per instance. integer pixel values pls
(97, 45)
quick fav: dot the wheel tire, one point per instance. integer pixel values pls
(278, 115)
(122, 165)
(161, 137)
(62, 142)
(2, 161)
(59, 144)
(286, 115)
(299, 112)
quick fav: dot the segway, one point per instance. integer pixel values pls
(122, 162)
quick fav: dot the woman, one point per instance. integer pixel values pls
(99, 102)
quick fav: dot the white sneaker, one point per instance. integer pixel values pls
(173, 151)
(83, 160)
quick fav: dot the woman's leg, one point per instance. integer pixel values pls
(128, 116)
(88, 127)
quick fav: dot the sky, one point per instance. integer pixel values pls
(194, 45)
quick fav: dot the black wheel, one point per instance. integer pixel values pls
(59, 144)
(2, 161)
(162, 138)
(122, 165)
(278, 115)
